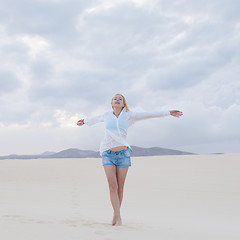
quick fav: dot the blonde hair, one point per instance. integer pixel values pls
(124, 102)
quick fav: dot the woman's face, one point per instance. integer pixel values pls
(117, 101)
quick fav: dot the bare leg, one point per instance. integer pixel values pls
(121, 176)
(111, 173)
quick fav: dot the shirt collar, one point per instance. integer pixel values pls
(124, 110)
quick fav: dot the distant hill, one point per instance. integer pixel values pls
(77, 153)
(155, 151)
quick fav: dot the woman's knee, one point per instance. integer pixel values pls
(113, 187)
(120, 188)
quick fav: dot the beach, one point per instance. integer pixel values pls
(184, 197)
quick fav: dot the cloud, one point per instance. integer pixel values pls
(8, 82)
(65, 59)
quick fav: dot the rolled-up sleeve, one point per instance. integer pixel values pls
(93, 120)
(137, 116)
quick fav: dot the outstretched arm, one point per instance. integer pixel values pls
(137, 116)
(91, 121)
(146, 115)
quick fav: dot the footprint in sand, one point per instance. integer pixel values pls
(22, 219)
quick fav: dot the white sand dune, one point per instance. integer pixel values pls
(167, 197)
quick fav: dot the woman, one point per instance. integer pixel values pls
(114, 148)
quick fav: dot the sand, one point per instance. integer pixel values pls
(168, 197)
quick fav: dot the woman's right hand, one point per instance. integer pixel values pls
(80, 122)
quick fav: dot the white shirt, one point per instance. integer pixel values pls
(116, 128)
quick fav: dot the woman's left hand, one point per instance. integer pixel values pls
(176, 113)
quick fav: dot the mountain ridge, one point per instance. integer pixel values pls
(77, 153)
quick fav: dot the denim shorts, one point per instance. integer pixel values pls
(118, 158)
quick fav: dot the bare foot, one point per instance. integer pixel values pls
(114, 221)
(118, 222)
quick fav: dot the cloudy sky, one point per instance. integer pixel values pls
(62, 60)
